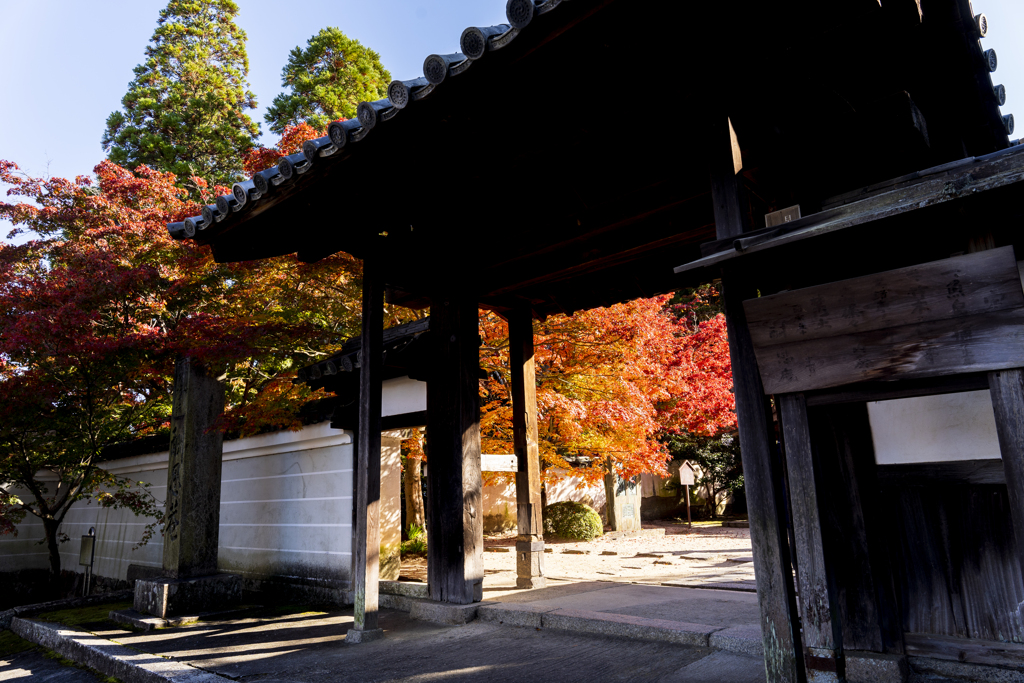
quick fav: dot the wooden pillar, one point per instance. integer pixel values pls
(765, 504)
(1007, 389)
(366, 508)
(455, 515)
(530, 539)
(814, 595)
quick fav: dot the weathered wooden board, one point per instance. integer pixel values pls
(962, 472)
(813, 595)
(977, 343)
(957, 559)
(947, 289)
(966, 650)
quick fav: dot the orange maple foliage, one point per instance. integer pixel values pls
(609, 381)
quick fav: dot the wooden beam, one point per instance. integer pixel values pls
(815, 596)
(765, 504)
(455, 518)
(1007, 388)
(983, 282)
(530, 539)
(366, 509)
(979, 343)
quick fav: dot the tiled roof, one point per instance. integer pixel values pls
(476, 43)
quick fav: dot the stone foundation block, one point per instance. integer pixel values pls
(445, 612)
(743, 639)
(874, 667)
(164, 597)
(355, 636)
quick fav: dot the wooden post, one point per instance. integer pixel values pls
(689, 521)
(814, 596)
(1007, 389)
(530, 539)
(766, 507)
(366, 509)
(455, 516)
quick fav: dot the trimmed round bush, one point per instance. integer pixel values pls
(569, 519)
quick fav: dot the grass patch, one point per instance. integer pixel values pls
(83, 615)
(11, 644)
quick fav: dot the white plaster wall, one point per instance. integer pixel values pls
(403, 395)
(940, 428)
(390, 507)
(286, 510)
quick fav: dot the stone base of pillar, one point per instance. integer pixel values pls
(356, 636)
(873, 667)
(530, 564)
(164, 597)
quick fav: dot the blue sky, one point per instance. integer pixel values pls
(68, 62)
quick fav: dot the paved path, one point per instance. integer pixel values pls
(33, 665)
(311, 648)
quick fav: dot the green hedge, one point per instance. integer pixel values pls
(569, 519)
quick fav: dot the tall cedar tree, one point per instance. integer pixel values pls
(185, 112)
(327, 81)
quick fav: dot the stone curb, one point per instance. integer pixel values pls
(626, 626)
(109, 658)
(739, 639)
(68, 603)
(521, 615)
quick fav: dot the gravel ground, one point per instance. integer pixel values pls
(707, 555)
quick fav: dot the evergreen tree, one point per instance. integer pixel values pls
(327, 81)
(185, 110)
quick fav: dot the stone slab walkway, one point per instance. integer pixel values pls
(311, 648)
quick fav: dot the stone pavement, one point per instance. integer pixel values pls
(592, 631)
(311, 648)
(41, 669)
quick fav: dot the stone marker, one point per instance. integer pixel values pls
(190, 581)
(623, 502)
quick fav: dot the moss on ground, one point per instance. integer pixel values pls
(83, 615)
(11, 644)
